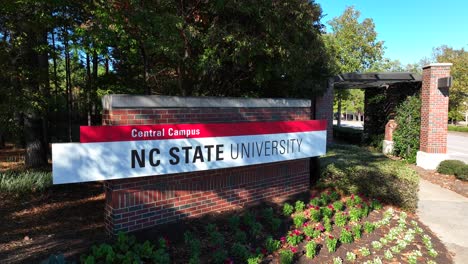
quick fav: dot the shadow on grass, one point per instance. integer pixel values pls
(356, 170)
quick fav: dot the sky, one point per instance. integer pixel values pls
(411, 28)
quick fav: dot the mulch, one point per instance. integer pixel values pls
(449, 182)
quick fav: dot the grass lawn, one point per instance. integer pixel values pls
(458, 128)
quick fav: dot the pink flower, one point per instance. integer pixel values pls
(283, 239)
(320, 227)
(331, 207)
(305, 224)
(331, 237)
(293, 249)
(352, 196)
(347, 228)
(297, 232)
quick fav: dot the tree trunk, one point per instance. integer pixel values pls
(68, 88)
(88, 88)
(94, 83)
(339, 111)
(35, 151)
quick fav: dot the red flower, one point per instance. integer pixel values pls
(331, 207)
(305, 224)
(352, 196)
(293, 249)
(264, 251)
(331, 237)
(283, 239)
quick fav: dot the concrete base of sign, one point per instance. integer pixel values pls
(387, 147)
(430, 161)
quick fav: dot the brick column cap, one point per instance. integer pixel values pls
(157, 101)
(441, 64)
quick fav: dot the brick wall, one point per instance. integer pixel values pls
(138, 203)
(434, 110)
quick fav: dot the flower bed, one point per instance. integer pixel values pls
(327, 228)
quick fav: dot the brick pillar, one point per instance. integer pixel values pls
(434, 117)
(324, 109)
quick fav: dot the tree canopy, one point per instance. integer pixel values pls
(59, 57)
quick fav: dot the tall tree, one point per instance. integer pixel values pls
(458, 98)
(353, 46)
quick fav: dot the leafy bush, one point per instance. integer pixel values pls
(288, 209)
(406, 135)
(127, 250)
(311, 249)
(352, 169)
(462, 173)
(21, 182)
(450, 167)
(272, 244)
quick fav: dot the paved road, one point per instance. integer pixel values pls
(457, 146)
(445, 213)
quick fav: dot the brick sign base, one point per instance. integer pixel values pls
(138, 203)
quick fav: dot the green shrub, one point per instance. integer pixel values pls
(286, 256)
(288, 209)
(355, 170)
(21, 182)
(406, 135)
(462, 173)
(449, 167)
(457, 128)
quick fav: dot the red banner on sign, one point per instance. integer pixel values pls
(90, 134)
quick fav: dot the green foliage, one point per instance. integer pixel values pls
(194, 244)
(327, 211)
(216, 239)
(271, 244)
(127, 250)
(356, 170)
(288, 209)
(338, 205)
(256, 229)
(459, 88)
(327, 224)
(355, 214)
(341, 219)
(240, 236)
(315, 201)
(350, 256)
(458, 128)
(299, 220)
(294, 237)
(449, 167)
(286, 256)
(364, 251)
(219, 256)
(315, 214)
(462, 173)
(299, 206)
(406, 135)
(21, 182)
(239, 251)
(346, 236)
(331, 243)
(234, 222)
(311, 249)
(357, 231)
(369, 227)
